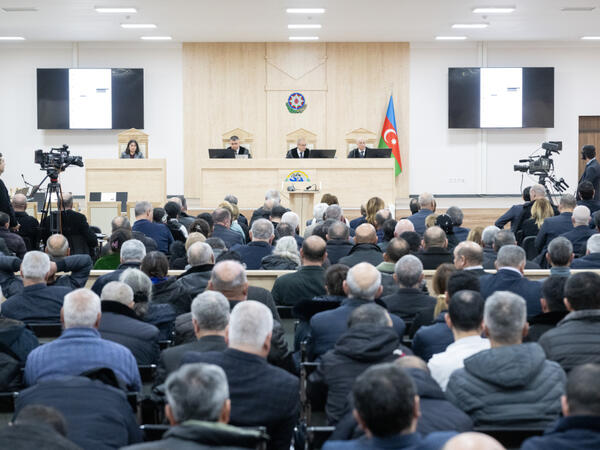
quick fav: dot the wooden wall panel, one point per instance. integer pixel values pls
(294, 66)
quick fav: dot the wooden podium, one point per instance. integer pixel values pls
(302, 202)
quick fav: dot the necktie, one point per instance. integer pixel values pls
(362, 154)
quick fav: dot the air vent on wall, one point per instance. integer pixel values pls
(19, 9)
(578, 8)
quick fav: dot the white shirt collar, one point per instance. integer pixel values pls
(473, 268)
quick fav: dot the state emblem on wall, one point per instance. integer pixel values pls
(296, 103)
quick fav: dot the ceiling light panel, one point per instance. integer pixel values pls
(494, 10)
(305, 10)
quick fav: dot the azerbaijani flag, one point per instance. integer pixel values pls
(389, 137)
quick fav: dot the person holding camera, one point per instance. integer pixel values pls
(592, 169)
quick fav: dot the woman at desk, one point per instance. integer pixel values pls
(132, 151)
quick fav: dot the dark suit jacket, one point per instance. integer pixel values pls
(293, 153)
(551, 228)
(477, 272)
(461, 233)
(337, 249)
(253, 253)
(433, 257)
(370, 253)
(355, 153)
(578, 237)
(14, 242)
(121, 325)
(304, 284)
(418, 220)
(242, 151)
(432, 339)
(512, 216)
(509, 280)
(261, 394)
(592, 205)
(73, 224)
(170, 358)
(29, 229)
(592, 174)
(230, 238)
(591, 261)
(103, 280)
(37, 303)
(407, 302)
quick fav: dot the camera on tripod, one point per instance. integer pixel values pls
(542, 164)
(57, 159)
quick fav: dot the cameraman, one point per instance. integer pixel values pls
(592, 169)
(5, 204)
(536, 191)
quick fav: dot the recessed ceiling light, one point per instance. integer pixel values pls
(102, 9)
(156, 38)
(450, 38)
(11, 38)
(19, 9)
(138, 25)
(470, 25)
(305, 10)
(494, 10)
(304, 38)
(304, 26)
(591, 38)
(578, 8)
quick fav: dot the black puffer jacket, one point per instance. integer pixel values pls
(169, 291)
(278, 262)
(575, 340)
(512, 385)
(19, 339)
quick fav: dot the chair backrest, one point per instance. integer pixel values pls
(154, 432)
(7, 402)
(46, 330)
(529, 247)
(147, 372)
(511, 437)
(316, 436)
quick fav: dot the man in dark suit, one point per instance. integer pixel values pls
(427, 207)
(510, 264)
(361, 150)
(262, 234)
(592, 169)
(592, 258)
(557, 225)
(5, 205)
(338, 243)
(234, 144)
(585, 195)
(120, 324)
(261, 394)
(29, 227)
(159, 232)
(468, 255)
(75, 228)
(210, 318)
(435, 249)
(365, 247)
(300, 151)
(513, 213)
(581, 231)
(221, 228)
(13, 241)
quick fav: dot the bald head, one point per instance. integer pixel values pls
(19, 202)
(468, 254)
(229, 278)
(402, 226)
(473, 441)
(434, 237)
(581, 216)
(57, 246)
(363, 281)
(365, 234)
(313, 251)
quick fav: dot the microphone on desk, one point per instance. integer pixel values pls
(311, 187)
(291, 188)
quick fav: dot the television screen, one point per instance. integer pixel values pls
(501, 97)
(90, 99)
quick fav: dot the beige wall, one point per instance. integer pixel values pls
(245, 85)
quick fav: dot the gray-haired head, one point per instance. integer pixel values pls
(35, 266)
(67, 200)
(511, 256)
(319, 211)
(488, 235)
(408, 271)
(363, 281)
(567, 202)
(456, 215)
(593, 244)
(81, 309)
(199, 254)
(210, 311)
(338, 230)
(262, 230)
(231, 199)
(57, 246)
(504, 237)
(117, 291)
(537, 191)
(120, 222)
(273, 194)
(197, 392)
(291, 218)
(132, 251)
(504, 316)
(402, 226)
(426, 200)
(228, 276)
(249, 325)
(560, 251)
(139, 282)
(333, 212)
(581, 216)
(142, 208)
(371, 315)
(288, 248)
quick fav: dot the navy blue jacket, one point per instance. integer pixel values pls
(418, 220)
(103, 280)
(253, 253)
(592, 174)
(512, 216)
(432, 339)
(157, 231)
(509, 280)
(578, 237)
(569, 433)
(461, 233)
(591, 261)
(370, 253)
(36, 303)
(354, 223)
(230, 238)
(337, 249)
(413, 441)
(593, 205)
(326, 327)
(551, 228)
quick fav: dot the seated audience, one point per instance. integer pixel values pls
(488, 237)
(389, 228)
(185, 219)
(80, 347)
(194, 280)
(131, 255)
(178, 257)
(465, 319)
(165, 289)
(123, 222)
(585, 191)
(272, 198)
(511, 383)
(514, 213)
(439, 283)
(469, 256)
(262, 235)
(29, 227)
(292, 219)
(369, 340)
(177, 229)
(13, 241)
(431, 221)
(17, 338)
(578, 428)
(210, 318)
(426, 208)
(37, 302)
(435, 249)
(365, 247)
(308, 281)
(120, 323)
(156, 231)
(276, 214)
(380, 217)
(113, 259)
(559, 256)
(222, 228)
(540, 211)
(285, 255)
(413, 239)
(261, 394)
(218, 246)
(473, 441)
(575, 338)
(403, 225)
(444, 221)
(362, 286)
(591, 260)
(555, 226)
(536, 191)
(509, 277)
(318, 217)
(581, 231)
(338, 242)
(77, 267)
(360, 219)
(201, 226)
(475, 235)
(501, 238)
(553, 307)
(386, 406)
(242, 229)
(457, 216)
(396, 249)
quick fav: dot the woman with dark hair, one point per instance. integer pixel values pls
(164, 288)
(200, 226)
(132, 151)
(113, 259)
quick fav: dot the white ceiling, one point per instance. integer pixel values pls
(266, 20)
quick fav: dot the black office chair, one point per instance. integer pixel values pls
(511, 437)
(46, 330)
(529, 247)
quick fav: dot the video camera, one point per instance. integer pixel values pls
(56, 159)
(542, 164)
